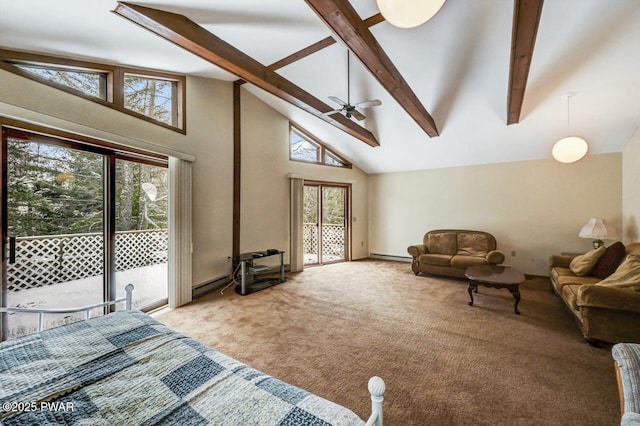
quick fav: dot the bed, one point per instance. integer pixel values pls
(128, 368)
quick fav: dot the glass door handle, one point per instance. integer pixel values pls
(12, 250)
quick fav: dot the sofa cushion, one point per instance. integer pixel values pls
(583, 264)
(609, 261)
(562, 272)
(564, 280)
(463, 262)
(442, 243)
(473, 244)
(626, 276)
(435, 259)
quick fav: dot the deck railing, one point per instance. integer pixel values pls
(333, 238)
(53, 259)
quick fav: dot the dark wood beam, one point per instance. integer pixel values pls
(526, 18)
(187, 34)
(346, 24)
(317, 46)
(237, 169)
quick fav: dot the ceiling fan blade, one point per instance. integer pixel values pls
(337, 100)
(367, 104)
(358, 115)
(335, 111)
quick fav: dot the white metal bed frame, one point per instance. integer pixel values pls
(376, 385)
(87, 309)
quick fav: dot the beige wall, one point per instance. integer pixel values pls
(631, 190)
(535, 208)
(209, 139)
(265, 182)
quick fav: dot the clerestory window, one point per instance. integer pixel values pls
(91, 83)
(153, 96)
(303, 147)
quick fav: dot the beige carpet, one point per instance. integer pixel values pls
(328, 329)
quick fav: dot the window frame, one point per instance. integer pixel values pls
(323, 148)
(10, 59)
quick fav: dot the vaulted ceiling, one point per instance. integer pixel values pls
(481, 82)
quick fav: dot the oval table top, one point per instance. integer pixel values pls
(495, 274)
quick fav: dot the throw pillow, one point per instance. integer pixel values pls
(583, 264)
(626, 276)
(609, 261)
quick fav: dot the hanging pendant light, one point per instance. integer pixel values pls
(571, 148)
(409, 13)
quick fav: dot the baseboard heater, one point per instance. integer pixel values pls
(209, 286)
(390, 257)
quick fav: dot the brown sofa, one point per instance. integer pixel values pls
(606, 307)
(451, 251)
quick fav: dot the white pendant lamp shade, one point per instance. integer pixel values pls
(409, 13)
(570, 149)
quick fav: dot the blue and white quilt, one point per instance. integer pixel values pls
(128, 369)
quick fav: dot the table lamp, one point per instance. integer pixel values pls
(598, 230)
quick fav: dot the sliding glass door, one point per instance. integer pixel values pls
(79, 222)
(325, 224)
(141, 232)
(54, 197)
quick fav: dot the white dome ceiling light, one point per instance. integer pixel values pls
(409, 13)
(571, 148)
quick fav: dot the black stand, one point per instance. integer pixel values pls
(248, 270)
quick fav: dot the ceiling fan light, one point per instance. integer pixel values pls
(409, 13)
(570, 149)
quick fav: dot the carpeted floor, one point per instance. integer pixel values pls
(328, 329)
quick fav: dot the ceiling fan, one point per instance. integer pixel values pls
(347, 108)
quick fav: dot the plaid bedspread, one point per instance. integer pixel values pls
(127, 368)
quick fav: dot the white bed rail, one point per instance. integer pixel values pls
(376, 389)
(87, 309)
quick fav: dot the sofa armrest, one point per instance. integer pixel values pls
(495, 257)
(557, 260)
(600, 296)
(417, 250)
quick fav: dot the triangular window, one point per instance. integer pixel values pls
(303, 147)
(91, 83)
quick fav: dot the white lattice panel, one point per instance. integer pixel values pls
(42, 261)
(333, 240)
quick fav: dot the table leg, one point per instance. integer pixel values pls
(472, 286)
(515, 291)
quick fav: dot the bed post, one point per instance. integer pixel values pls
(129, 290)
(376, 389)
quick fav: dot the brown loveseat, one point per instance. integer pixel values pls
(451, 251)
(604, 303)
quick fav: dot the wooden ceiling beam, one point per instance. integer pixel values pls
(187, 34)
(346, 24)
(315, 47)
(526, 18)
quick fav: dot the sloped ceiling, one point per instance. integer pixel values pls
(457, 64)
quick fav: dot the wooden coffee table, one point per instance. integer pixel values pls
(497, 277)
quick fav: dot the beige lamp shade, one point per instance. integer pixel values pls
(570, 149)
(408, 13)
(598, 230)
